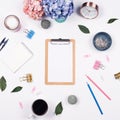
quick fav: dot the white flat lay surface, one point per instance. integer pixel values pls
(17, 106)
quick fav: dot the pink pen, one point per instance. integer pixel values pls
(98, 87)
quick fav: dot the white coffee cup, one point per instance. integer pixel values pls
(39, 108)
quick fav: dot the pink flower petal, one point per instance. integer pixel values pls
(107, 58)
(21, 105)
(33, 89)
(87, 55)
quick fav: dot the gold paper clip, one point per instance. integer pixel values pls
(117, 75)
(27, 77)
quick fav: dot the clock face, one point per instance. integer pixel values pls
(89, 12)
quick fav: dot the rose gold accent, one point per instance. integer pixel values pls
(46, 65)
(8, 27)
(90, 4)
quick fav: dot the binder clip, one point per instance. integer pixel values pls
(27, 77)
(29, 33)
(97, 65)
(117, 76)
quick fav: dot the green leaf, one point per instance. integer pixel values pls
(2, 83)
(58, 109)
(17, 89)
(112, 20)
(84, 29)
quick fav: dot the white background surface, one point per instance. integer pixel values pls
(85, 109)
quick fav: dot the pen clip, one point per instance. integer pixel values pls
(3, 43)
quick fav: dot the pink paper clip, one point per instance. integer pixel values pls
(98, 65)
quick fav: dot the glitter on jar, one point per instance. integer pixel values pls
(102, 41)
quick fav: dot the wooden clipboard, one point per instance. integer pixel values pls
(60, 62)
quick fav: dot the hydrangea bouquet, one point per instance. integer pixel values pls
(58, 9)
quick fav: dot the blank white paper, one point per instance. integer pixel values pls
(60, 63)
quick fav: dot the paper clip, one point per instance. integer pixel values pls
(117, 75)
(27, 77)
(30, 33)
(98, 65)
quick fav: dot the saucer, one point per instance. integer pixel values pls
(102, 41)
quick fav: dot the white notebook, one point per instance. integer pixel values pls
(15, 55)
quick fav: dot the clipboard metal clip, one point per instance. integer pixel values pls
(60, 41)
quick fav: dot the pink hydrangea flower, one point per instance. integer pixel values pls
(33, 9)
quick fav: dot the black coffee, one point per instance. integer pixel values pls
(39, 107)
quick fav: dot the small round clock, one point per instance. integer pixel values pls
(89, 10)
